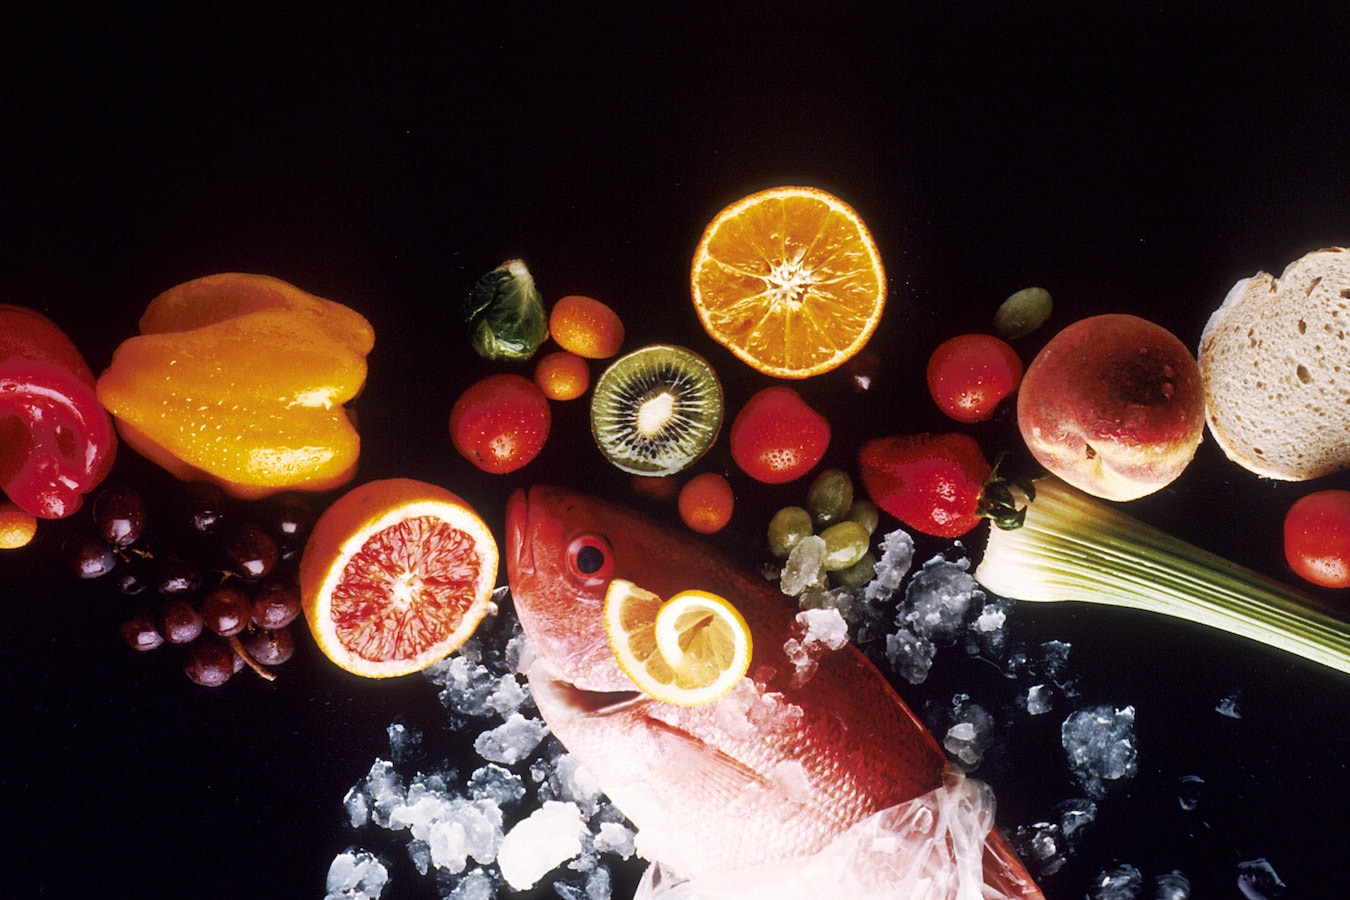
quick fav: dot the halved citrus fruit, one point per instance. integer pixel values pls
(688, 650)
(789, 280)
(396, 574)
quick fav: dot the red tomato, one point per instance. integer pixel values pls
(969, 375)
(1317, 538)
(777, 437)
(500, 423)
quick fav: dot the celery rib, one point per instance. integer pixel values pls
(1072, 547)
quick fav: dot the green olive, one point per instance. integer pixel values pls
(829, 496)
(865, 513)
(787, 528)
(858, 574)
(1023, 313)
(845, 544)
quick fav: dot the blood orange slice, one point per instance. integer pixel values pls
(396, 575)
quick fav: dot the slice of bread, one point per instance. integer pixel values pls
(1275, 362)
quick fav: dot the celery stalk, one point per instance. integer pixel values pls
(1073, 547)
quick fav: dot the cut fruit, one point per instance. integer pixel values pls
(688, 650)
(789, 280)
(396, 575)
(656, 410)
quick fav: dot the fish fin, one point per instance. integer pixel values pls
(660, 883)
(726, 775)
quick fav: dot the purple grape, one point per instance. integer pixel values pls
(177, 577)
(226, 610)
(276, 604)
(139, 631)
(272, 647)
(211, 662)
(205, 505)
(250, 551)
(89, 557)
(179, 621)
(119, 516)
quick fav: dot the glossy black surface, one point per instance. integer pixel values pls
(1137, 159)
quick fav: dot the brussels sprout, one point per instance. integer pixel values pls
(506, 312)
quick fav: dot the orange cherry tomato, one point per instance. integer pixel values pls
(706, 502)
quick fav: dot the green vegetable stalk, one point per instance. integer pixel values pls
(1073, 547)
(506, 312)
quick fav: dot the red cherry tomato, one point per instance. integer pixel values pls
(777, 437)
(1317, 538)
(500, 423)
(969, 375)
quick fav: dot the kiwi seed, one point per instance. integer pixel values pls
(656, 410)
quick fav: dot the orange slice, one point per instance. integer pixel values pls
(789, 280)
(688, 650)
(396, 574)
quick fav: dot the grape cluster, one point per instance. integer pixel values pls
(845, 526)
(211, 575)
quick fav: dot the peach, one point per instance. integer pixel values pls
(1113, 405)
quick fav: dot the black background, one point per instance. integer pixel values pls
(1128, 157)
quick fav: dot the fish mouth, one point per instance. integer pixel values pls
(519, 549)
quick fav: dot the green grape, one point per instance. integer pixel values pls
(1023, 313)
(858, 574)
(829, 496)
(787, 528)
(845, 544)
(865, 513)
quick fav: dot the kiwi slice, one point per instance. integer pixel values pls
(656, 410)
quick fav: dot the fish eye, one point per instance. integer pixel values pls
(590, 559)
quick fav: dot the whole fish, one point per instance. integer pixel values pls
(777, 789)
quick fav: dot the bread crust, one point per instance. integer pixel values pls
(1275, 364)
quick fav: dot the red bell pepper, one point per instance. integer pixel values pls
(56, 440)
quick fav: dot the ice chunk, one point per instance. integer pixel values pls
(817, 632)
(616, 838)
(569, 781)
(374, 796)
(1039, 700)
(805, 566)
(1257, 880)
(1189, 789)
(356, 875)
(991, 618)
(404, 742)
(548, 837)
(910, 656)
(938, 597)
(897, 556)
(1124, 882)
(1099, 743)
(511, 741)
(474, 885)
(1230, 706)
(971, 734)
(492, 782)
(1171, 886)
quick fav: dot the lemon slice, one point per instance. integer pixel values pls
(688, 650)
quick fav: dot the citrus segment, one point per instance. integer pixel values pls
(688, 651)
(789, 280)
(396, 575)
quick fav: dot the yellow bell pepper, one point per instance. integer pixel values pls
(241, 380)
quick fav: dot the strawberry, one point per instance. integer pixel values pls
(930, 482)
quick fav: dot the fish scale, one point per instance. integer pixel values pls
(771, 772)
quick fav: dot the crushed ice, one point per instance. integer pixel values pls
(527, 810)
